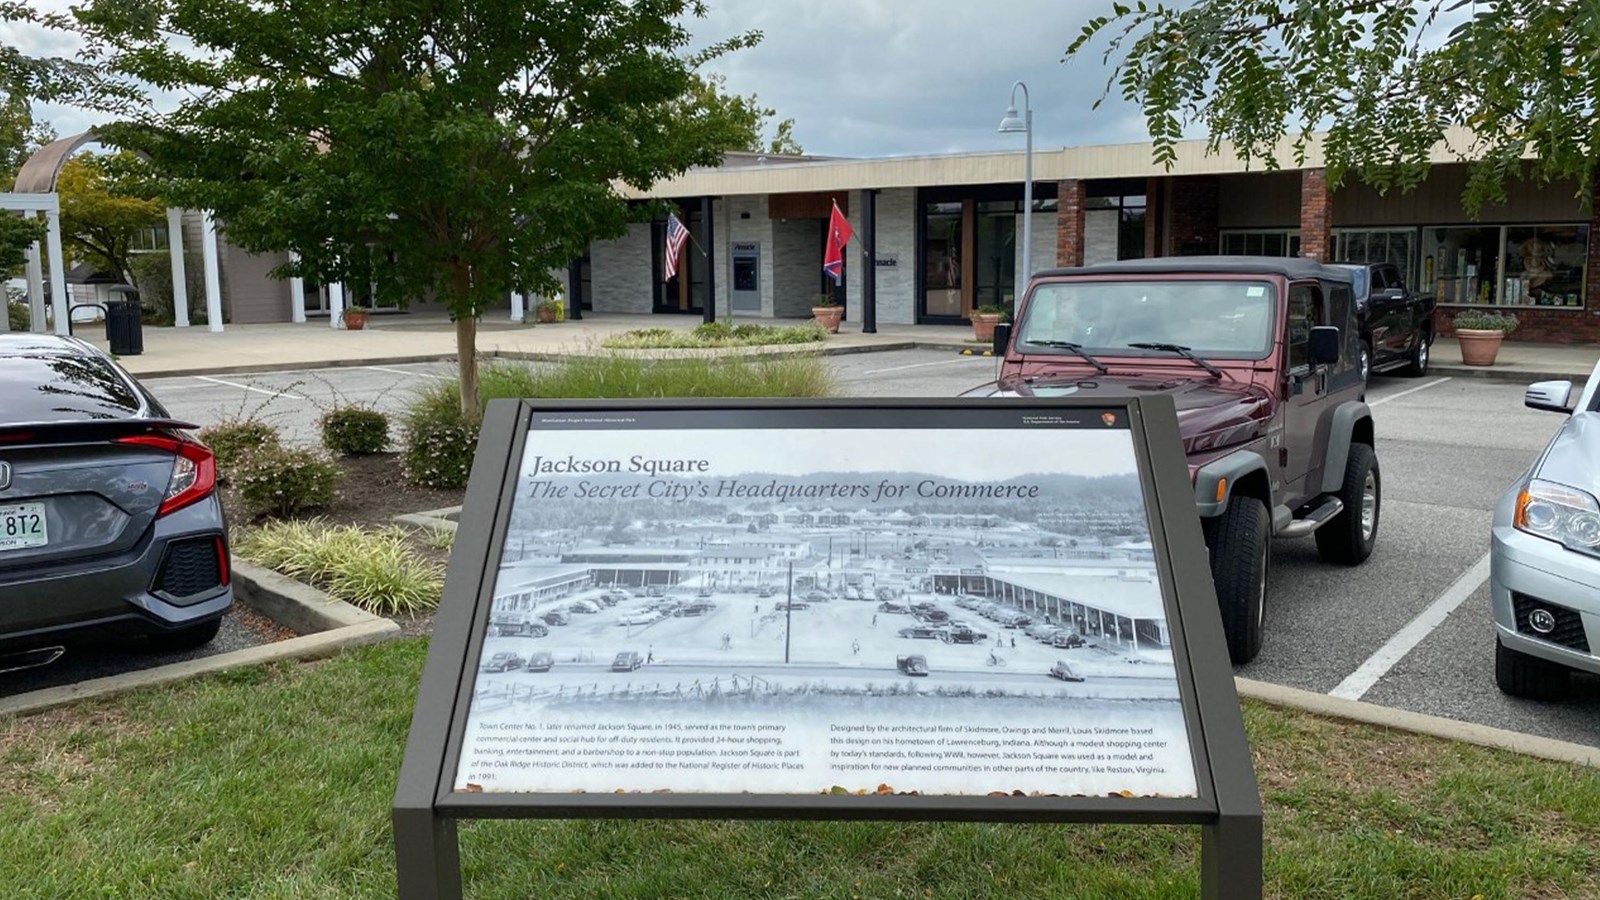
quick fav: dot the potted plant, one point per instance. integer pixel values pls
(827, 312)
(354, 317)
(549, 311)
(984, 318)
(1480, 334)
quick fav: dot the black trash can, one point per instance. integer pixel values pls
(124, 328)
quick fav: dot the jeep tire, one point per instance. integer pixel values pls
(1349, 537)
(1521, 675)
(1238, 542)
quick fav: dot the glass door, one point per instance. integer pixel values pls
(943, 275)
(996, 254)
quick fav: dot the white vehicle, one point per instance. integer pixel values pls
(642, 617)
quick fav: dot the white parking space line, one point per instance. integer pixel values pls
(402, 372)
(246, 387)
(1421, 387)
(942, 362)
(1406, 639)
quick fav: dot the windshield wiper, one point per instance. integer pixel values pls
(1182, 351)
(1070, 346)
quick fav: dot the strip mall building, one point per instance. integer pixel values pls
(943, 234)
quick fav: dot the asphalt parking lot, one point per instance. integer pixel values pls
(1447, 447)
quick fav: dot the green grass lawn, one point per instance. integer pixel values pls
(275, 782)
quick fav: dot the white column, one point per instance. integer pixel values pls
(36, 287)
(180, 279)
(517, 306)
(208, 252)
(336, 304)
(297, 293)
(58, 273)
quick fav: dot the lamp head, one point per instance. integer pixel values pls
(1012, 123)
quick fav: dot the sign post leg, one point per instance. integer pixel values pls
(427, 856)
(1230, 859)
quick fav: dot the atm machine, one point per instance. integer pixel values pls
(746, 288)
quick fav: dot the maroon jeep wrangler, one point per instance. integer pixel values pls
(1262, 358)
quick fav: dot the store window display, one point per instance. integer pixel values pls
(1544, 265)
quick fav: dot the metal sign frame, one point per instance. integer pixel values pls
(1227, 806)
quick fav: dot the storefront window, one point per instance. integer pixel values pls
(1394, 246)
(996, 253)
(942, 255)
(1463, 263)
(1261, 243)
(1544, 265)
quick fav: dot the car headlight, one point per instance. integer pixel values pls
(1559, 513)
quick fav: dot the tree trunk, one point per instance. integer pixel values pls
(467, 356)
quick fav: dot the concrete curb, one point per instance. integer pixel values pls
(433, 518)
(1517, 376)
(337, 625)
(1419, 723)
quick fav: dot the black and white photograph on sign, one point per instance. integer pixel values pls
(951, 611)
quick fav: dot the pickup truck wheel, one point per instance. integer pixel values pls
(1365, 361)
(1238, 541)
(1520, 675)
(1417, 365)
(1348, 539)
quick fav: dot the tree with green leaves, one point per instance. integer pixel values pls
(17, 234)
(20, 136)
(458, 150)
(1388, 80)
(102, 212)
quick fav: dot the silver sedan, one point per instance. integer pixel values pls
(1544, 561)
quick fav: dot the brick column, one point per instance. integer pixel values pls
(1194, 216)
(1316, 216)
(1152, 217)
(1071, 196)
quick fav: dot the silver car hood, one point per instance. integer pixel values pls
(1573, 457)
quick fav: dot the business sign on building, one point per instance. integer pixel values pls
(794, 688)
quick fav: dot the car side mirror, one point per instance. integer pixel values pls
(1392, 293)
(1002, 337)
(1550, 396)
(1324, 345)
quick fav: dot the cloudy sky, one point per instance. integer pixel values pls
(875, 77)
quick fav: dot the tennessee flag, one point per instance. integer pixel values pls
(839, 233)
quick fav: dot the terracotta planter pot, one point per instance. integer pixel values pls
(544, 315)
(354, 319)
(1479, 348)
(828, 317)
(983, 325)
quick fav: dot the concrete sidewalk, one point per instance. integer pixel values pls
(389, 340)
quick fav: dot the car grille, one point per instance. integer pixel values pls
(191, 567)
(1569, 625)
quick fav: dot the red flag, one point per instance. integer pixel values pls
(839, 233)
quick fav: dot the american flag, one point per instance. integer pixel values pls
(676, 236)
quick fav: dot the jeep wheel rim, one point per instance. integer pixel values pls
(1369, 505)
(1261, 590)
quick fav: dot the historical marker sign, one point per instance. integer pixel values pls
(721, 610)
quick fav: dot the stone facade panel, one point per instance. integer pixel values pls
(621, 272)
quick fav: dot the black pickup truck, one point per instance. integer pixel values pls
(1396, 324)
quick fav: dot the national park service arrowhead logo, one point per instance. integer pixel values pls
(1109, 418)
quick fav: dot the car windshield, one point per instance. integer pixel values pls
(1229, 319)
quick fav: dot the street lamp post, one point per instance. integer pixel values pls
(1012, 124)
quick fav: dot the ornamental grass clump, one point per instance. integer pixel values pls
(377, 570)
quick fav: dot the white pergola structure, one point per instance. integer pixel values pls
(31, 206)
(35, 191)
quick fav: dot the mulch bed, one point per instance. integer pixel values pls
(372, 491)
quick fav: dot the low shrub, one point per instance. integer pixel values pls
(717, 334)
(440, 441)
(377, 570)
(1473, 319)
(18, 316)
(284, 482)
(236, 440)
(355, 431)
